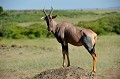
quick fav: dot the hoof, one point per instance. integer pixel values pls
(62, 66)
(68, 65)
(65, 66)
(93, 73)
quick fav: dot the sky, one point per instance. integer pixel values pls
(58, 4)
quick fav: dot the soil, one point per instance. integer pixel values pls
(77, 73)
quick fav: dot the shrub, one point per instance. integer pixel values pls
(105, 25)
(17, 32)
(31, 36)
(17, 36)
(49, 35)
(12, 31)
(38, 30)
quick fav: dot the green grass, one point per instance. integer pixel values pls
(36, 55)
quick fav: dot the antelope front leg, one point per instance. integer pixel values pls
(63, 65)
(68, 60)
(65, 53)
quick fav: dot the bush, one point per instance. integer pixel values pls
(37, 30)
(31, 36)
(105, 25)
(18, 32)
(17, 36)
(49, 35)
(12, 31)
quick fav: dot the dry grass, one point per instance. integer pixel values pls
(31, 56)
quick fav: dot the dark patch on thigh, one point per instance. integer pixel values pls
(87, 42)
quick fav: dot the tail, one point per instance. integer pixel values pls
(95, 39)
(95, 36)
(94, 46)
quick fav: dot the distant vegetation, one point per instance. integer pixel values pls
(33, 31)
(106, 22)
(103, 26)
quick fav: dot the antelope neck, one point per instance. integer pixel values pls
(54, 26)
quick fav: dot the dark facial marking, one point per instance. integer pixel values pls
(48, 20)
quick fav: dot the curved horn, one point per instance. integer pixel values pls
(51, 11)
(44, 12)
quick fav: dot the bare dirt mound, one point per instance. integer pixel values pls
(65, 73)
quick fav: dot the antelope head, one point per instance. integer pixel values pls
(49, 18)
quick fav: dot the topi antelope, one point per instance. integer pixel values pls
(67, 33)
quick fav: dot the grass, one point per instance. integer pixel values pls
(36, 55)
(75, 20)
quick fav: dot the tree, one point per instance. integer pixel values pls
(1, 10)
(2, 15)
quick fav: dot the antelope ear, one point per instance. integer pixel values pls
(43, 18)
(53, 17)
